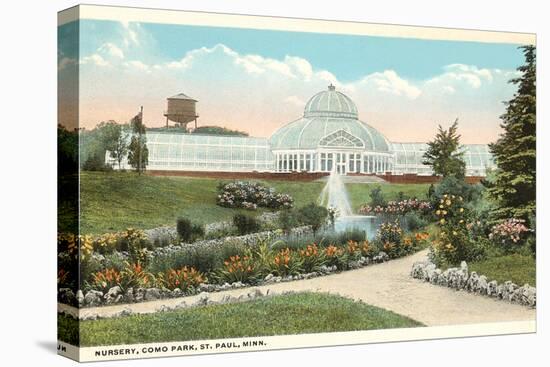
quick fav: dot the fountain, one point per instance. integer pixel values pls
(334, 195)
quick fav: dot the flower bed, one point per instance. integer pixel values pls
(396, 207)
(256, 263)
(251, 195)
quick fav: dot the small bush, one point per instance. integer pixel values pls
(414, 222)
(509, 235)
(287, 220)
(105, 279)
(312, 258)
(188, 232)
(185, 278)
(313, 215)
(455, 241)
(251, 195)
(239, 269)
(245, 224)
(376, 197)
(287, 262)
(134, 275)
(335, 256)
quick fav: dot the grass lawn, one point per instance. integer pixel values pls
(296, 313)
(520, 269)
(360, 193)
(117, 200)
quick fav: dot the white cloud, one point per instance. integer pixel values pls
(94, 59)
(389, 82)
(136, 64)
(112, 50)
(295, 100)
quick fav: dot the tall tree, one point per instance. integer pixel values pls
(514, 186)
(118, 148)
(444, 154)
(138, 154)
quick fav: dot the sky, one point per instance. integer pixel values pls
(259, 80)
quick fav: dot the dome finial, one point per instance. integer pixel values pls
(331, 87)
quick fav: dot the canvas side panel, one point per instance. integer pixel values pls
(68, 277)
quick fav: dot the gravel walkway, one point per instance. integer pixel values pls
(387, 285)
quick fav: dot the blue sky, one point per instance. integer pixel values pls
(402, 86)
(347, 56)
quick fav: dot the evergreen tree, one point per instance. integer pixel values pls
(514, 186)
(138, 154)
(444, 154)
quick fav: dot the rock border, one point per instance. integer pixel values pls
(116, 295)
(203, 300)
(460, 279)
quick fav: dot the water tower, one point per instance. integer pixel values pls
(181, 110)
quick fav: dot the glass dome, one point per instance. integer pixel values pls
(330, 119)
(330, 103)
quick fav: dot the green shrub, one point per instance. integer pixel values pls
(376, 197)
(455, 241)
(187, 231)
(203, 259)
(453, 186)
(239, 268)
(286, 262)
(414, 222)
(312, 258)
(245, 224)
(313, 215)
(287, 220)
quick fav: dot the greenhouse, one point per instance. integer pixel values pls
(329, 136)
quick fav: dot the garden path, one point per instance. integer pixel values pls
(387, 285)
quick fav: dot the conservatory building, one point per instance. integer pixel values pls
(328, 136)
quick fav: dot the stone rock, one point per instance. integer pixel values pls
(93, 298)
(482, 285)
(203, 299)
(152, 294)
(508, 290)
(139, 294)
(163, 308)
(113, 295)
(180, 305)
(492, 288)
(428, 271)
(129, 295)
(255, 293)
(66, 296)
(126, 311)
(472, 282)
(417, 270)
(238, 285)
(500, 291)
(177, 292)
(228, 299)
(529, 296)
(434, 276)
(268, 277)
(80, 298)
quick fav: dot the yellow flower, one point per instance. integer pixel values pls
(444, 212)
(461, 210)
(442, 221)
(437, 212)
(447, 202)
